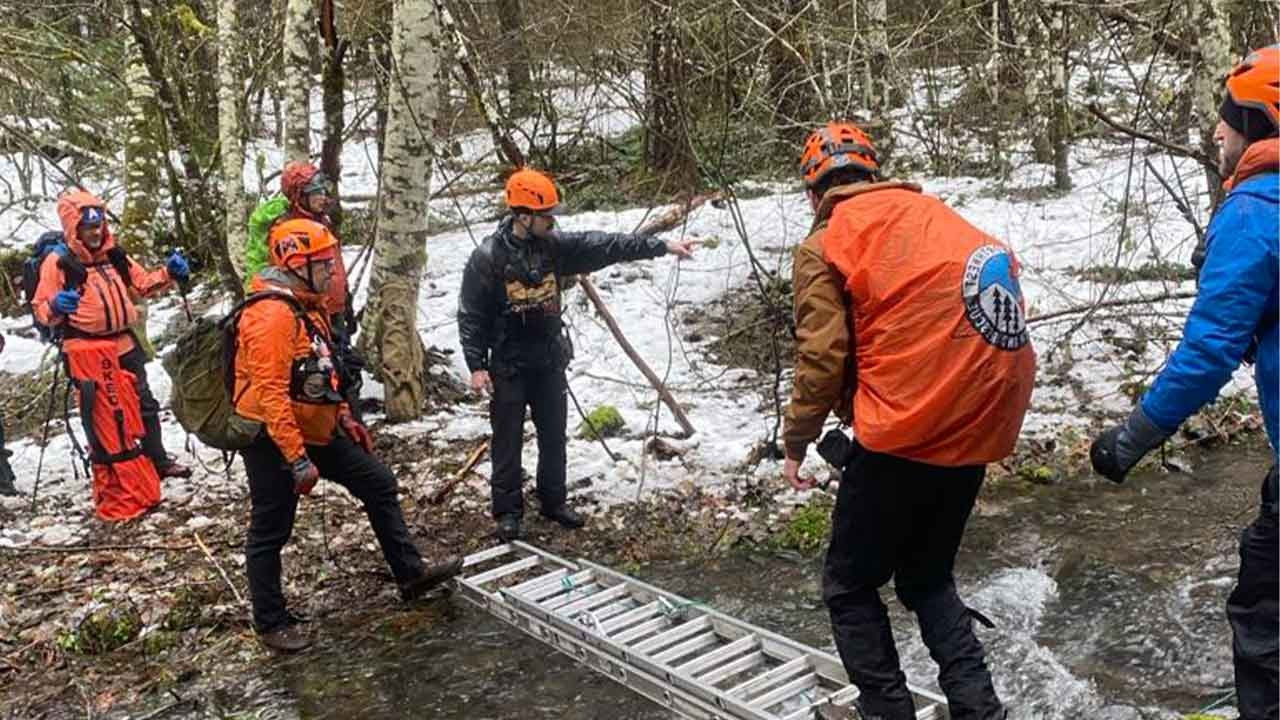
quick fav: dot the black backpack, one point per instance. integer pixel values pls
(73, 271)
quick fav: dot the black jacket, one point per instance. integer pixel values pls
(509, 306)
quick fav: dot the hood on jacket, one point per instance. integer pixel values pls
(293, 180)
(278, 279)
(69, 206)
(840, 193)
(1260, 157)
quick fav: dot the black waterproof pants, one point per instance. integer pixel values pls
(900, 519)
(274, 505)
(135, 361)
(543, 391)
(1253, 610)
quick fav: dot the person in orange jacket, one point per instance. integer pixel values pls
(910, 325)
(101, 306)
(287, 378)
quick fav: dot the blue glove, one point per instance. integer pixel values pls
(177, 266)
(65, 302)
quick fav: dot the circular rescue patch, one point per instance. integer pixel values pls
(993, 298)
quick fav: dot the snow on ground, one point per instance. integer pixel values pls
(1051, 233)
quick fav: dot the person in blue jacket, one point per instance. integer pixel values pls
(1234, 319)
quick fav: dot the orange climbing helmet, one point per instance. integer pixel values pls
(296, 242)
(530, 190)
(1254, 85)
(836, 145)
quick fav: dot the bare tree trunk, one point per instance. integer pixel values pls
(1035, 58)
(141, 176)
(667, 142)
(299, 23)
(1209, 25)
(1060, 126)
(230, 94)
(390, 336)
(791, 90)
(141, 154)
(191, 188)
(879, 94)
(335, 85)
(516, 53)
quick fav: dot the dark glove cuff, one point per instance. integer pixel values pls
(1140, 435)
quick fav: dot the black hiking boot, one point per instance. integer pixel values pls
(173, 469)
(286, 639)
(508, 528)
(565, 516)
(432, 576)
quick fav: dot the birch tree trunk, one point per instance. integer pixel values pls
(1210, 27)
(878, 88)
(390, 335)
(141, 155)
(299, 24)
(1060, 108)
(230, 92)
(141, 176)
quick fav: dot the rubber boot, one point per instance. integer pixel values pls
(946, 627)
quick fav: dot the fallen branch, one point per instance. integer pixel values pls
(473, 459)
(1111, 303)
(91, 548)
(650, 375)
(204, 548)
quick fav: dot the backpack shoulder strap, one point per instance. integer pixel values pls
(119, 260)
(73, 271)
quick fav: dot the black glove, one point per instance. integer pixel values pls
(1119, 448)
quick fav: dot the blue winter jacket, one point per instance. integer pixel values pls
(1237, 300)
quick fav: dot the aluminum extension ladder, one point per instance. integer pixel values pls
(684, 656)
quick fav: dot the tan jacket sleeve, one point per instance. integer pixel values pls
(823, 348)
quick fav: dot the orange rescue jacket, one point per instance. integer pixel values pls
(106, 299)
(271, 338)
(944, 361)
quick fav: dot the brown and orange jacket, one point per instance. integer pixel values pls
(909, 321)
(106, 299)
(271, 337)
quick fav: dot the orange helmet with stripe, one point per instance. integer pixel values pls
(836, 145)
(1254, 84)
(295, 242)
(530, 190)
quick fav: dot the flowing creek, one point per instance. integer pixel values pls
(1107, 600)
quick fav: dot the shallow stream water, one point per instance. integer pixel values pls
(1108, 602)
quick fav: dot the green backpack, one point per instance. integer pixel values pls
(260, 222)
(203, 370)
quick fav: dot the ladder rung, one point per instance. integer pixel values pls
(554, 575)
(674, 635)
(702, 662)
(630, 617)
(843, 697)
(617, 608)
(483, 555)
(932, 711)
(570, 595)
(780, 694)
(504, 570)
(641, 630)
(604, 597)
(542, 592)
(729, 669)
(698, 642)
(778, 674)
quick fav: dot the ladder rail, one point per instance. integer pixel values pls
(671, 650)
